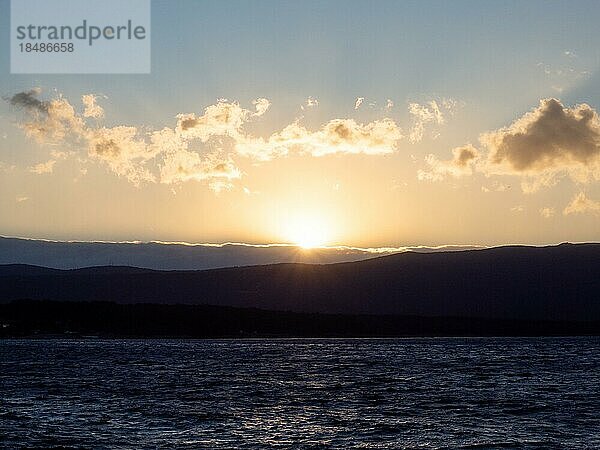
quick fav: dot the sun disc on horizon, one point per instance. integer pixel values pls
(307, 231)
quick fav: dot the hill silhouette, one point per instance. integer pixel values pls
(513, 282)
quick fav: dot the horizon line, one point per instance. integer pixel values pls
(371, 250)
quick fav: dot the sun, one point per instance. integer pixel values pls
(307, 231)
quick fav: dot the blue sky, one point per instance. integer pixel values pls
(478, 51)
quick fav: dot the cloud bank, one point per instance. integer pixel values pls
(205, 147)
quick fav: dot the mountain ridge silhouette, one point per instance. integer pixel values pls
(512, 282)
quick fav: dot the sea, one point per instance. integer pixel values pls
(422, 393)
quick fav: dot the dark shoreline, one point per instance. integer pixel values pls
(90, 320)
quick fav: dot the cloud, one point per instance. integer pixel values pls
(219, 186)
(198, 146)
(358, 102)
(580, 204)
(5, 168)
(566, 74)
(130, 152)
(187, 165)
(389, 104)
(47, 121)
(421, 116)
(278, 144)
(261, 105)
(336, 136)
(22, 199)
(91, 108)
(547, 212)
(82, 173)
(42, 168)
(222, 119)
(249, 191)
(180, 164)
(496, 186)
(462, 163)
(432, 112)
(28, 100)
(464, 156)
(347, 136)
(123, 150)
(312, 102)
(548, 141)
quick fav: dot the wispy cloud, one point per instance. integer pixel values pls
(42, 168)
(311, 102)
(4, 167)
(496, 186)
(433, 112)
(565, 72)
(359, 101)
(218, 186)
(581, 204)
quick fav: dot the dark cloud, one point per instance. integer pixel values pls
(464, 155)
(186, 124)
(108, 148)
(549, 137)
(28, 100)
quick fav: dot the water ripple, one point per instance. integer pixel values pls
(353, 393)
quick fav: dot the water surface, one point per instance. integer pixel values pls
(341, 393)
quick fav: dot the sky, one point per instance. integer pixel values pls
(358, 123)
